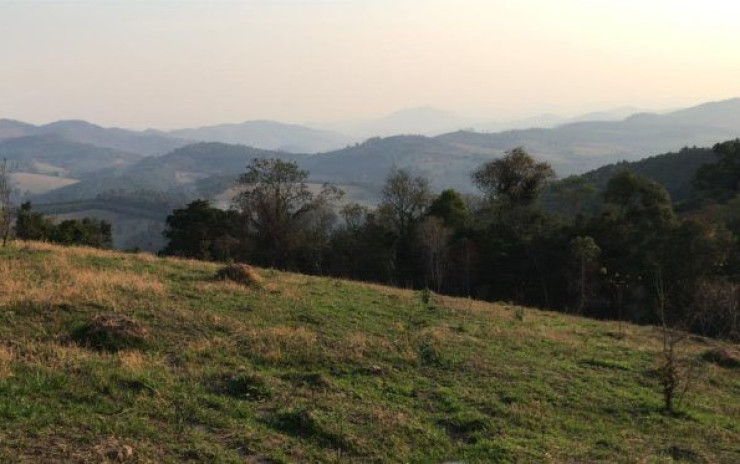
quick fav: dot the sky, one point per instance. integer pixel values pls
(167, 64)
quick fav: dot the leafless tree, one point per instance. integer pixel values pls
(6, 207)
(675, 370)
(434, 238)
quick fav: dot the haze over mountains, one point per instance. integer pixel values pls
(269, 135)
(76, 161)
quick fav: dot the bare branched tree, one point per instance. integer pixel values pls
(675, 370)
(434, 239)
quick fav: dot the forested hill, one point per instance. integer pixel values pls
(201, 169)
(674, 171)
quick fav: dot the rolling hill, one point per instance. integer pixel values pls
(112, 357)
(208, 170)
(370, 162)
(142, 143)
(580, 147)
(182, 171)
(269, 135)
(422, 120)
(55, 155)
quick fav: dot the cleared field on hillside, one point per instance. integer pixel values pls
(308, 369)
(39, 183)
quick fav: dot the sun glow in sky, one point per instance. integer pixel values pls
(165, 64)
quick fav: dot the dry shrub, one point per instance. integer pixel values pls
(111, 332)
(240, 273)
(723, 357)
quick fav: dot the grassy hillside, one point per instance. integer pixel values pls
(307, 369)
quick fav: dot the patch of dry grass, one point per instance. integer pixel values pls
(55, 279)
(282, 344)
(7, 356)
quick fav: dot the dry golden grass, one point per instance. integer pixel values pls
(225, 286)
(58, 280)
(281, 343)
(137, 362)
(7, 356)
(46, 355)
(358, 347)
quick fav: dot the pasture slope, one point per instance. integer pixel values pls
(111, 357)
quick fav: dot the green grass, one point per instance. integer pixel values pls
(308, 369)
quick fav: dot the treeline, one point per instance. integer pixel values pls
(628, 256)
(33, 225)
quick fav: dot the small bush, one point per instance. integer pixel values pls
(240, 273)
(723, 357)
(465, 428)
(304, 424)
(111, 332)
(429, 353)
(314, 380)
(247, 387)
(427, 299)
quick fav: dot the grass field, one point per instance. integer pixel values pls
(308, 369)
(39, 183)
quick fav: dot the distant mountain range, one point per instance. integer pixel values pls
(143, 143)
(446, 160)
(76, 149)
(75, 161)
(268, 135)
(411, 121)
(431, 122)
(549, 120)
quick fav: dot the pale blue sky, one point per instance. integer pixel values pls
(174, 63)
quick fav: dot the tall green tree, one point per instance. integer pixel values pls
(32, 225)
(201, 231)
(404, 204)
(516, 177)
(405, 200)
(279, 209)
(451, 208)
(720, 181)
(585, 251)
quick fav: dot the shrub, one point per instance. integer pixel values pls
(429, 353)
(111, 332)
(305, 424)
(246, 386)
(723, 357)
(465, 428)
(240, 273)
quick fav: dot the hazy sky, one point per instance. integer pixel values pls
(158, 63)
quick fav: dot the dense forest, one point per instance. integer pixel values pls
(618, 250)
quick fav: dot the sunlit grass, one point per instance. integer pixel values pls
(308, 369)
